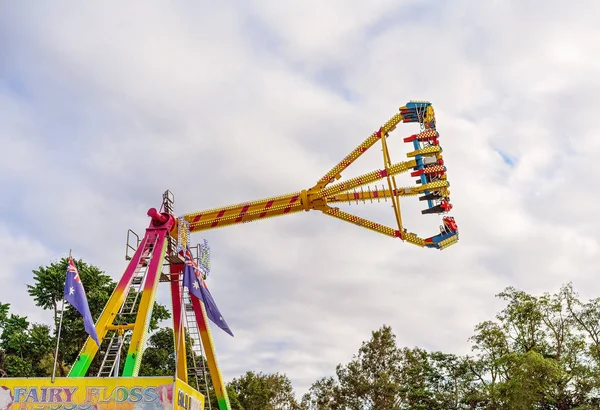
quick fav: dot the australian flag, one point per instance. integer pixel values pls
(192, 279)
(75, 295)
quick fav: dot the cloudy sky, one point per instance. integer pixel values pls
(104, 106)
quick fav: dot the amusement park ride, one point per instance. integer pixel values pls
(164, 251)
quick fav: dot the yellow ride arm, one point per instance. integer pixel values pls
(324, 192)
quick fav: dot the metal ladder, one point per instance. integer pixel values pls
(196, 370)
(128, 310)
(109, 362)
(168, 206)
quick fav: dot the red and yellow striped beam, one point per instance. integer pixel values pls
(242, 213)
(284, 204)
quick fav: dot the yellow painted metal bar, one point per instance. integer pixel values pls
(237, 216)
(238, 207)
(121, 327)
(285, 204)
(365, 223)
(318, 197)
(210, 353)
(336, 171)
(448, 242)
(142, 321)
(430, 150)
(244, 212)
(367, 178)
(413, 238)
(371, 194)
(178, 321)
(391, 184)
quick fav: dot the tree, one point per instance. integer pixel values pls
(451, 381)
(531, 380)
(4, 310)
(258, 391)
(522, 321)
(322, 395)
(566, 345)
(159, 356)
(380, 376)
(26, 347)
(490, 344)
(535, 353)
(538, 352)
(385, 376)
(47, 292)
(373, 378)
(587, 318)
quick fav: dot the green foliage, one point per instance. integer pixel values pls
(234, 400)
(386, 376)
(17, 366)
(49, 281)
(532, 379)
(28, 349)
(25, 346)
(254, 391)
(539, 352)
(4, 310)
(159, 313)
(159, 356)
(374, 377)
(322, 395)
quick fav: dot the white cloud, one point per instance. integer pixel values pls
(103, 111)
(20, 255)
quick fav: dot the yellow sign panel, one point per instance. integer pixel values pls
(187, 398)
(87, 393)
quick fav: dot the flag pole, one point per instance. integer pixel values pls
(62, 309)
(58, 339)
